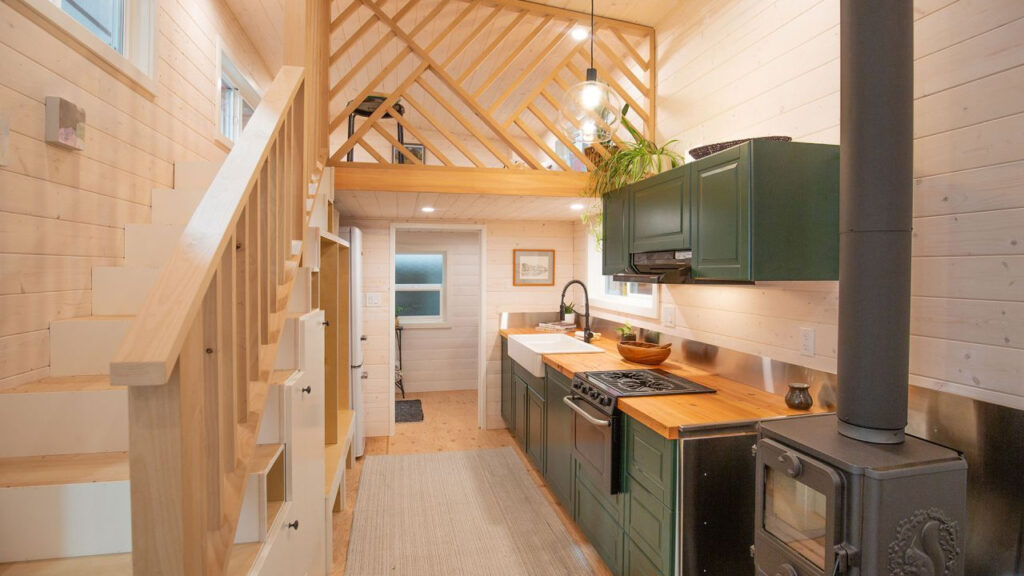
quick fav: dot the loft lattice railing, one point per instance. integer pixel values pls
(197, 360)
(480, 80)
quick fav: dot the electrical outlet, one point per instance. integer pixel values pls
(668, 316)
(374, 299)
(807, 341)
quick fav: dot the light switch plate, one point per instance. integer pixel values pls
(5, 141)
(807, 341)
(668, 316)
(374, 299)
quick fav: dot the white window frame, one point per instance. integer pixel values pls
(135, 65)
(646, 307)
(227, 68)
(440, 319)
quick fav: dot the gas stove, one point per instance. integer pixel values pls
(602, 389)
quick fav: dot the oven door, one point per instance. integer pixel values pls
(797, 513)
(596, 444)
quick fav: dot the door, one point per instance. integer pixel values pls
(615, 232)
(519, 392)
(558, 445)
(506, 386)
(660, 212)
(721, 215)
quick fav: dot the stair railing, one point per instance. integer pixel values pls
(197, 359)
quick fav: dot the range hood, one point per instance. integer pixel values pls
(670, 267)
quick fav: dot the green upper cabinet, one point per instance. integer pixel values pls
(615, 231)
(660, 212)
(766, 211)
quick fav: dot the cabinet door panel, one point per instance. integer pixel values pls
(519, 393)
(721, 199)
(651, 460)
(660, 212)
(638, 564)
(615, 245)
(558, 447)
(650, 525)
(600, 526)
(535, 428)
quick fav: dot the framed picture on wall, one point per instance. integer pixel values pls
(533, 267)
(414, 149)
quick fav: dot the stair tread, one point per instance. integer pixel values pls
(242, 558)
(95, 383)
(263, 458)
(24, 471)
(279, 377)
(98, 318)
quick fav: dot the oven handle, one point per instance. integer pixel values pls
(567, 400)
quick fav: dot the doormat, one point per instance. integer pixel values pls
(408, 411)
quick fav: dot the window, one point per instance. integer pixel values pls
(104, 18)
(628, 297)
(420, 287)
(238, 99)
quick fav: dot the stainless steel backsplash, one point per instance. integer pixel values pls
(991, 437)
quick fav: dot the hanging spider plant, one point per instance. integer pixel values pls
(639, 159)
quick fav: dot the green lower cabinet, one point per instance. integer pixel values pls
(599, 524)
(651, 460)
(638, 564)
(519, 395)
(558, 470)
(650, 525)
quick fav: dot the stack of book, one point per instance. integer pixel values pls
(556, 326)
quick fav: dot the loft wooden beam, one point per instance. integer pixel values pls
(359, 176)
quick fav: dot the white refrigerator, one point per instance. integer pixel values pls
(356, 337)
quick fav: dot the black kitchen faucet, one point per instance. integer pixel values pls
(587, 334)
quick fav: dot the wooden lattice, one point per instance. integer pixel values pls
(480, 81)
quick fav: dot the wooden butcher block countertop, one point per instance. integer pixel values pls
(731, 402)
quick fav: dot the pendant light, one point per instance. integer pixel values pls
(590, 110)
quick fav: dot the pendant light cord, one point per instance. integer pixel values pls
(591, 33)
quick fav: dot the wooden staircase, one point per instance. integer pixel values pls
(64, 466)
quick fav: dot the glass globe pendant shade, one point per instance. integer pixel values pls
(590, 111)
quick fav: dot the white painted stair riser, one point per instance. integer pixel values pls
(83, 346)
(150, 245)
(121, 291)
(175, 206)
(194, 175)
(75, 422)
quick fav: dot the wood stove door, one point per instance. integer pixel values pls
(798, 507)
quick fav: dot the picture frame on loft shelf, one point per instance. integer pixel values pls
(533, 267)
(417, 150)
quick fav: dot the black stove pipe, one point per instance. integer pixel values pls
(875, 217)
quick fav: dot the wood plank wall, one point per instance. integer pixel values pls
(738, 68)
(61, 213)
(502, 296)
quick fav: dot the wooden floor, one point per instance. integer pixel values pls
(449, 424)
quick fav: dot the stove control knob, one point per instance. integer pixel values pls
(606, 401)
(594, 394)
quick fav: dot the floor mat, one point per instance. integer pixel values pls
(408, 411)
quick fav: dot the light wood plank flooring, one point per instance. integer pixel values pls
(449, 424)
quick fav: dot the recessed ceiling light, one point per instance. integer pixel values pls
(579, 33)
(577, 207)
(427, 209)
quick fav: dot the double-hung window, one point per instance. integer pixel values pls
(420, 287)
(104, 18)
(238, 99)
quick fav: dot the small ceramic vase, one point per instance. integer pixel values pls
(799, 396)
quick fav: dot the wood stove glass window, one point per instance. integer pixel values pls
(796, 514)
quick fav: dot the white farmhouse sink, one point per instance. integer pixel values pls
(527, 349)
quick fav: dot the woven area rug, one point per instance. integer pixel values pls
(408, 411)
(468, 513)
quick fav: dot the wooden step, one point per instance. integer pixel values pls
(264, 486)
(175, 206)
(194, 175)
(64, 415)
(84, 346)
(63, 469)
(242, 558)
(118, 290)
(150, 245)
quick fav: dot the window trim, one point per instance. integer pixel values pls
(441, 320)
(136, 68)
(600, 299)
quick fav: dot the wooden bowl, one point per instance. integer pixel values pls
(644, 352)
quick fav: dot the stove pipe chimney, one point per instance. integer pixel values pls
(875, 217)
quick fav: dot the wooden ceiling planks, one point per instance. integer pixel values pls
(477, 76)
